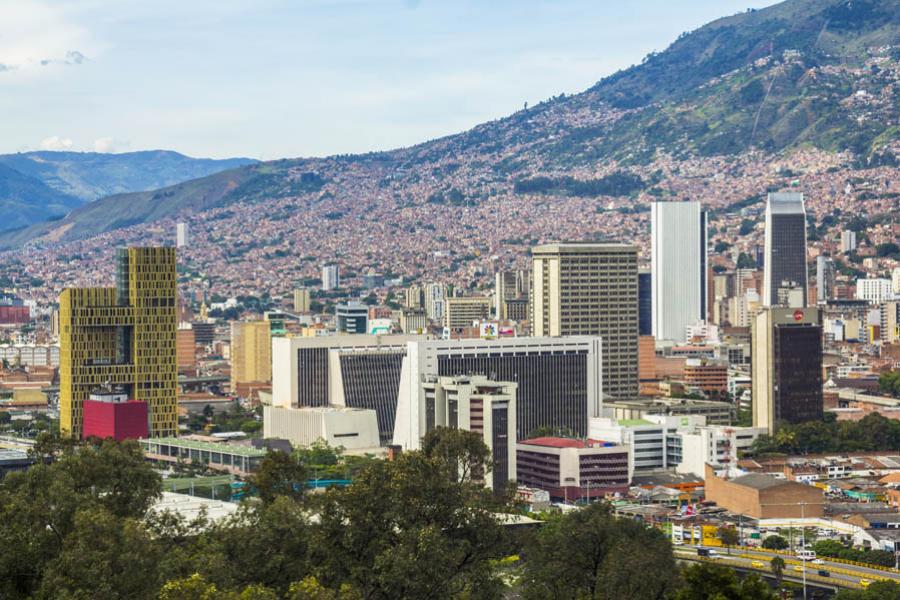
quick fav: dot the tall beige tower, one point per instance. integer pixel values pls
(591, 289)
(251, 353)
(301, 300)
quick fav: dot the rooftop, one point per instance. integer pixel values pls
(559, 442)
(235, 449)
(759, 481)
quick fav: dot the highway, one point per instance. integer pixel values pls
(840, 574)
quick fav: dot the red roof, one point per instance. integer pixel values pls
(559, 442)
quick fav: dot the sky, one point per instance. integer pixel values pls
(286, 78)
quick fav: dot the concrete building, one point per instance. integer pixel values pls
(214, 453)
(251, 353)
(825, 271)
(414, 297)
(787, 348)
(559, 380)
(413, 320)
(301, 300)
(186, 348)
(709, 377)
(591, 289)
(331, 279)
(435, 299)
(848, 241)
(760, 496)
(122, 336)
(890, 322)
(352, 317)
(679, 263)
(353, 371)
(350, 428)
(785, 258)
(29, 355)
(464, 311)
(714, 412)
(181, 235)
(874, 290)
(645, 302)
(718, 446)
(510, 286)
(654, 440)
(483, 406)
(572, 469)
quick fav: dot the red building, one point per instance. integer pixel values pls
(113, 415)
(573, 469)
(14, 315)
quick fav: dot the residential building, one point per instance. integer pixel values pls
(435, 298)
(824, 278)
(414, 297)
(874, 290)
(251, 353)
(679, 263)
(848, 241)
(785, 261)
(786, 346)
(413, 320)
(122, 336)
(464, 311)
(573, 469)
(331, 279)
(302, 300)
(510, 286)
(559, 380)
(591, 289)
(352, 317)
(181, 235)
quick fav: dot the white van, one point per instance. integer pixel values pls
(806, 554)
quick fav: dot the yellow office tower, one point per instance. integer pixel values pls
(122, 336)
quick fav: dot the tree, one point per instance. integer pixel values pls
(195, 587)
(729, 537)
(280, 474)
(591, 554)
(464, 452)
(878, 590)
(706, 581)
(777, 565)
(775, 542)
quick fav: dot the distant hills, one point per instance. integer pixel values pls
(802, 73)
(35, 186)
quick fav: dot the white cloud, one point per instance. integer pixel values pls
(54, 142)
(35, 34)
(109, 145)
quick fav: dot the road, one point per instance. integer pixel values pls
(840, 574)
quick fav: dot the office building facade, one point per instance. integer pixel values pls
(785, 262)
(124, 336)
(591, 289)
(572, 469)
(559, 380)
(645, 302)
(352, 317)
(679, 267)
(465, 311)
(786, 347)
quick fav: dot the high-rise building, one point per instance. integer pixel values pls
(874, 290)
(331, 279)
(559, 380)
(591, 289)
(413, 297)
(463, 311)
(352, 317)
(679, 262)
(186, 348)
(251, 353)
(786, 367)
(435, 301)
(413, 320)
(510, 285)
(181, 235)
(122, 336)
(824, 278)
(483, 406)
(301, 300)
(645, 302)
(785, 263)
(848, 241)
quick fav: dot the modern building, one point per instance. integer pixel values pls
(413, 320)
(29, 355)
(350, 428)
(591, 289)
(559, 380)
(435, 298)
(645, 302)
(509, 286)
(709, 377)
(824, 278)
(122, 336)
(181, 235)
(464, 311)
(413, 297)
(251, 353)
(679, 263)
(110, 414)
(331, 279)
(786, 368)
(654, 440)
(573, 469)
(185, 348)
(848, 241)
(874, 290)
(717, 446)
(204, 333)
(785, 262)
(213, 453)
(516, 309)
(352, 317)
(483, 406)
(353, 371)
(301, 300)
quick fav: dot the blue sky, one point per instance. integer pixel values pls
(285, 78)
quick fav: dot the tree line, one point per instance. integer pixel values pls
(872, 432)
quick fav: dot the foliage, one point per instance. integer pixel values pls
(890, 383)
(590, 554)
(872, 432)
(280, 474)
(775, 542)
(729, 537)
(777, 565)
(877, 590)
(620, 183)
(836, 549)
(706, 581)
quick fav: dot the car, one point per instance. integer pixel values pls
(864, 583)
(798, 568)
(818, 561)
(757, 564)
(824, 573)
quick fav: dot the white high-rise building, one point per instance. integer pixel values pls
(679, 263)
(435, 301)
(785, 261)
(895, 280)
(875, 291)
(330, 277)
(848, 241)
(181, 235)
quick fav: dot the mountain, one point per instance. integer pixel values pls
(818, 74)
(42, 185)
